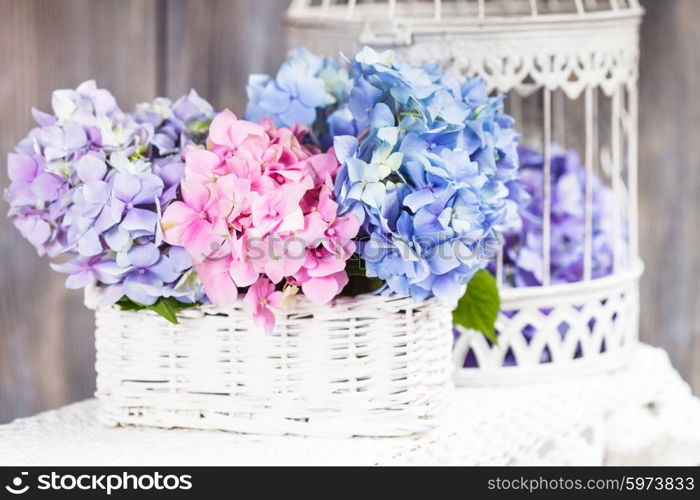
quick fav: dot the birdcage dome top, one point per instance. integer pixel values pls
(402, 22)
(464, 11)
(514, 44)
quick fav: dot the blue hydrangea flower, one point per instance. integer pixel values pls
(429, 163)
(341, 122)
(304, 85)
(428, 173)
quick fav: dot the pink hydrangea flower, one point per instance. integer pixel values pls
(260, 298)
(216, 278)
(257, 211)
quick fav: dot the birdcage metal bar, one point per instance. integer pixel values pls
(588, 195)
(632, 172)
(547, 187)
(616, 180)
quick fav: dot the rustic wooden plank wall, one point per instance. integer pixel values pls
(46, 349)
(213, 46)
(138, 49)
(669, 194)
(141, 48)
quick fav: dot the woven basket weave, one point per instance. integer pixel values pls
(367, 366)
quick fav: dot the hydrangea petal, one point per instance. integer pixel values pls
(139, 219)
(21, 167)
(143, 256)
(218, 284)
(91, 168)
(320, 290)
(89, 243)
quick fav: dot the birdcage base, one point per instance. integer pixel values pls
(554, 332)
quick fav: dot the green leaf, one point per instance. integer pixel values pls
(126, 304)
(165, 306)
(355, 266)
(358, 285)
(358, 281)
(478, 308)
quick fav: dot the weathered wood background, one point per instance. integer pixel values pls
(143, 48)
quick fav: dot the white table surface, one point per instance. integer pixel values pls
(642, 414)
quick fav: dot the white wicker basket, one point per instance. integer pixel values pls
(369, 366)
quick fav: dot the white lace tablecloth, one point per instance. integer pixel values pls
(640, 414)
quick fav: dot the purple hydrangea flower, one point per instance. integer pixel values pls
(89, 183)
(523, 251)
(146, 273)
(132, 199)
(175, 126)
(85, 271)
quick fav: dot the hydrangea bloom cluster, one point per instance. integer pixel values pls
(427, 163)
(308, 90)
(88, 185)
(523, 251)
(428, 176)
(257, 211)
(402, 165)
(305, 86)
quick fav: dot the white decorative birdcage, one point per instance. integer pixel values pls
(570, 69)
